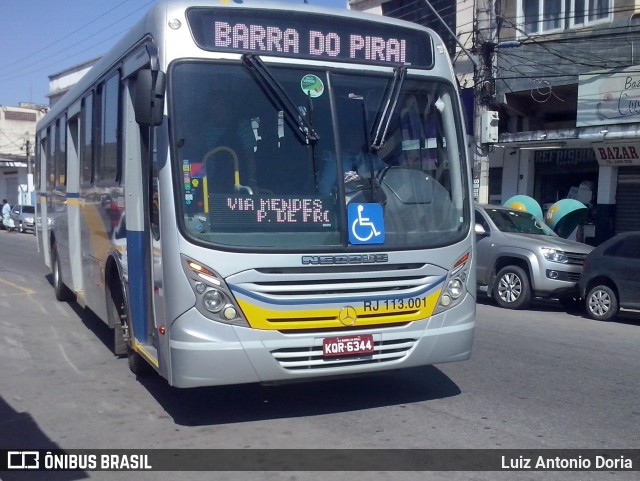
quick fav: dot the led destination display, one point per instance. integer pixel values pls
(321, 36)
(271, 213)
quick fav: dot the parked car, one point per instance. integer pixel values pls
(610, 281)
(519, 257)
(24, 217)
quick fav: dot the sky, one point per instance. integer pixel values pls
(44, 37)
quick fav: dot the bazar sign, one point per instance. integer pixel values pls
(617, 154)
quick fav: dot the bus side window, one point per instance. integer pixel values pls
(49, 164)
(108, 157)
(86, 129)
(60, 156)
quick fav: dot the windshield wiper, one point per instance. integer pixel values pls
(304, 129)
(390, 101)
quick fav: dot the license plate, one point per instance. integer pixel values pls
(347, 346)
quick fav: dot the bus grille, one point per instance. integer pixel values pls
(310, 358)
(339, 281)
(310, 299)
(310, 283)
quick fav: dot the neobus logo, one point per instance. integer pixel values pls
(345, 259)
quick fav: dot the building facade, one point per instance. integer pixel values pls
(17, 134)
(445, 17)
(61, 82)
(567, 90)
(564, 81)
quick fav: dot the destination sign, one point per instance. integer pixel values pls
(271, 213)
(309, 35)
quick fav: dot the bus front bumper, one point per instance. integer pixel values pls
(204, 353)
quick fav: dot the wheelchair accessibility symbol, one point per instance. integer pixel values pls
(366, 224)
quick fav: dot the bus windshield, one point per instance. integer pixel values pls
(285, 151)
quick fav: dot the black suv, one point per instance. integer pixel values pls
(610, 279)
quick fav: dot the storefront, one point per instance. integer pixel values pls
(624, 158)
(608, 116)
(627, 215)
(565, 174)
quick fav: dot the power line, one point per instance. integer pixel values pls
(20, 71)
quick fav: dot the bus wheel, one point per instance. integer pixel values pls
(123, 337)
(137, 364)
(61, 291)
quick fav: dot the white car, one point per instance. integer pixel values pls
(24, 217)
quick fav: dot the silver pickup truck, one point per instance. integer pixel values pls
(519, 258)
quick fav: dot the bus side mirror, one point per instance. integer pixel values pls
(149, 97)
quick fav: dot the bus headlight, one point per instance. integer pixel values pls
(213, 298)
(455, 286)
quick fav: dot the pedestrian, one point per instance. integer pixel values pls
(6, 216)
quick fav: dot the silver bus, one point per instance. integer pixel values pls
(254, 192)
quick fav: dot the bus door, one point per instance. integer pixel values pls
(142, 241)
(158, 319)
(73, 202)
(46, 187)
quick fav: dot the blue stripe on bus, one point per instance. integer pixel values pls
(138, 283)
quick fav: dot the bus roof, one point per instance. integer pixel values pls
(161, 12)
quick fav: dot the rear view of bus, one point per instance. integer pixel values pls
(308, 210)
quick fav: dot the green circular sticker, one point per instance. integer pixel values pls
(312, 85)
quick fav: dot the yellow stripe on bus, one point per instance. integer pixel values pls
(268, 319)
(139, 348)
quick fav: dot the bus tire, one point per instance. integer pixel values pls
(119, 342)
(122, 333)
(137, 364)
(61, 291)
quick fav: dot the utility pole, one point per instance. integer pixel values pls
(484, 45)
(27, 146)
(28, 149)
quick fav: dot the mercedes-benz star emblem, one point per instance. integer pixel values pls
(348, 316)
